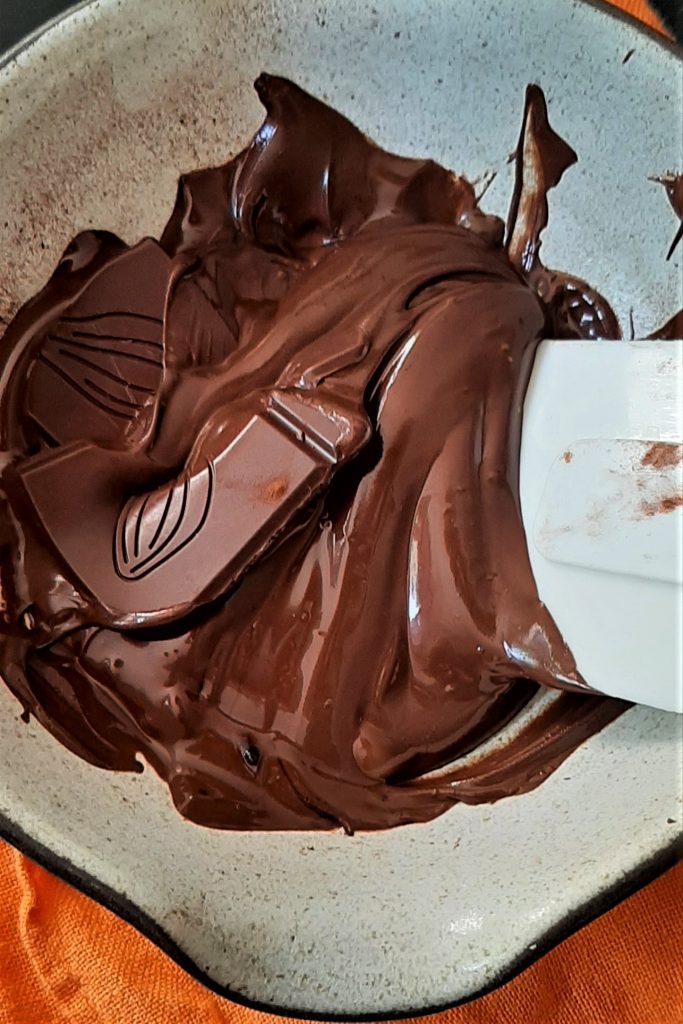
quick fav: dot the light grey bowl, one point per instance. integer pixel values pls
(97, 118)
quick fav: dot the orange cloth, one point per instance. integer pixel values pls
(640, 10)
(65, 960)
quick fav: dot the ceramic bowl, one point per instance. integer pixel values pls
(98, 116)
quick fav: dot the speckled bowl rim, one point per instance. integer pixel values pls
(605, 6)
(125, 909)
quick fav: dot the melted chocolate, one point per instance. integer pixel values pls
(673, 184)
(673, 328)
(260, 518)
(573, 308)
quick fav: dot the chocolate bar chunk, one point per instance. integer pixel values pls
(99, 369)
(150, 558)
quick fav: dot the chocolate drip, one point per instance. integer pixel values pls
(574, 309)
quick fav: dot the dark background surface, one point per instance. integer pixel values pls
(19, 17)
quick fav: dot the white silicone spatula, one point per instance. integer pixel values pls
(601, 489)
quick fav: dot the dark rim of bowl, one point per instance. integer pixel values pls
(643, 874)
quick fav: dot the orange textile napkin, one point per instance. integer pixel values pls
(640, 10)
(65, 960)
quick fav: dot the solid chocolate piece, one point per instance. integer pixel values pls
(100, 367)
(195, 334)
(304, 488)
(188, 540)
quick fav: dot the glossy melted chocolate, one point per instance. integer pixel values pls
(260, 522)
(673, 185)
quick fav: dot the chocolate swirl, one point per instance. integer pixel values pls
(260, 519)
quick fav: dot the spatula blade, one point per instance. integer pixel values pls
(601, 490)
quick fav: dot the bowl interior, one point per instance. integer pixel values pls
(97, 119)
